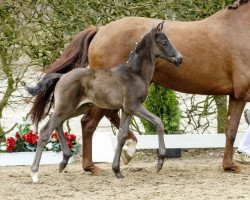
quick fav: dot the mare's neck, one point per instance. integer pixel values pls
(142, 62)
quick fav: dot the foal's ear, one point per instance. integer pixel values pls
(159, 27)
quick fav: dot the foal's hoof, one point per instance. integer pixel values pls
(128, 151)
(160, 163)
(234, 167)
(119, 175)
(125, 157)
(62, 166)
(117, 172)
(158, 169)
(34, 176)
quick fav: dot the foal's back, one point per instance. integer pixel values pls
(105, 88)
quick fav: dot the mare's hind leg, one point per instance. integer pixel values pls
(129, 148)
(45, 133)
(235, 110)
(122, 137)
(89, 123)
(65, 148)
(141, 112)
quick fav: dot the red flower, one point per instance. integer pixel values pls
(17, 135)
(10, 143)
(54, 135)
(34, 138)
(30, 137)
(70, 144)
(72, 137)
(27, 138)
(67, 136)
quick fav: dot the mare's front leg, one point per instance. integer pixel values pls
(89, 123)
(129, 148)
(235, 110)
(122, 137)
(141, 112)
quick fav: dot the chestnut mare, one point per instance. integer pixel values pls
(216, 53)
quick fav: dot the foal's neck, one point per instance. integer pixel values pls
(143, 60)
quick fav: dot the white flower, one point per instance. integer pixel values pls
(3, 148)
(49, 146)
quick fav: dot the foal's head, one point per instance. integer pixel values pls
(162, 47)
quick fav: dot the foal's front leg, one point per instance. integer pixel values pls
(129, 148)
(141, 112)
(122, 136)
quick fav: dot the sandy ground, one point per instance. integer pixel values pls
(197, 175)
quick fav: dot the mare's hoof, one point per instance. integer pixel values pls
(92, 168)
(234, 167)
(96, 171)
(34, 176)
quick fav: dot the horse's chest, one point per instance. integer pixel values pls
(139, 91)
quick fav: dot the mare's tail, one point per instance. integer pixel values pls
(75, 55)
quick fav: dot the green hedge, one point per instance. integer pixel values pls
(163, 103)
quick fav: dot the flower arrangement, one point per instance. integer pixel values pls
(26, 140)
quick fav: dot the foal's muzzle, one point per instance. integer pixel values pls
(178, 60)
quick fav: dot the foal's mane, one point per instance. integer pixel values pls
(142, 44)
(237, 3)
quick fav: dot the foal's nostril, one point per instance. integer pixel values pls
(180, 59)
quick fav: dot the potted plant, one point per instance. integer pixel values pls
(21, 147)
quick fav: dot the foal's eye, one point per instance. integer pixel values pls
(160, 43)
(164, 44)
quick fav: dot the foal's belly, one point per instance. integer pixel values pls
(106, 94)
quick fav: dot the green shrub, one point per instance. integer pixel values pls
(163, 103)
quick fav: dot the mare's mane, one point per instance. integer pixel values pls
(237, 3)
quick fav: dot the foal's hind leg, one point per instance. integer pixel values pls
(65, 148)
(45, 133)
(141, 112)
(44, 136)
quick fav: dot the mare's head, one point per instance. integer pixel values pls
(162, 47)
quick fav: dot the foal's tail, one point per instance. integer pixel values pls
(48, 81)
(44, 98)
(75, 55)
